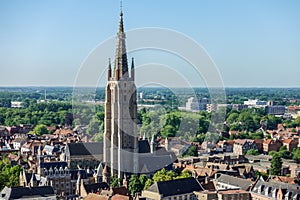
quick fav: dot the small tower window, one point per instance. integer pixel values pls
(124, 97)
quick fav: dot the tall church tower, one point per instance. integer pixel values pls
(120, 141)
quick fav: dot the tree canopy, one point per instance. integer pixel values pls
(9, 175)
(276, 165)
(40, 129)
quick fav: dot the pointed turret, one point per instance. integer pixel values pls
(121, 64)
(105, 174)
(132, 69)
(167, 145)
(78, 183)
(109, 70)
(152, 144)
(121, 26)
(50, 172)
(98, 173)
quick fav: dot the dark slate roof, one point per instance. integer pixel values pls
(23, 192)
(151, 163)
(244, 184)
(83, 149)
(266, 188)
(95, 187)
(47, 165)
(162, 151)
(144, 146)
(176, 187)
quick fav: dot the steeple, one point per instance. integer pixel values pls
(121, 64)
(109, 70)
(121, 26)
(120, 114)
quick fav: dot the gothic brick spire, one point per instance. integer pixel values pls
(121, 64)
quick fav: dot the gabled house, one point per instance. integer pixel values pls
(227, 146)
(42, 193)
(84, 155)
(225, 182)
(262, 190)
(18, 142)
(291, 143)
(245, 171)
(175, 189)
(241, 146)
(271, 145)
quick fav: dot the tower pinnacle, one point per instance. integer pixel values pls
(121, 26)
(121, 64)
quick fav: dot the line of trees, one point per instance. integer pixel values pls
(142, 182)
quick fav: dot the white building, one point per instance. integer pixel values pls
(255, 103)
(192, 104)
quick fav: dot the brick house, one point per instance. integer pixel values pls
(290, 144)
(271, 145)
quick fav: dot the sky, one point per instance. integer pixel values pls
(252, 43)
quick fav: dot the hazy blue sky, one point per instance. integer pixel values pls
(253, 42)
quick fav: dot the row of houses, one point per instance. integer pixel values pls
(241, 146)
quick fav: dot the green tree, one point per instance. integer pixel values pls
(40, 129)
(192, 151)
(143, 179)
(199, 138)
(296, 155)
(232, 117)
(284, 153)
(148, 183)
(296, 122)
(253, 152)
(168, 131)
(276, 165)
(164, 175)
(9, 175)
(135, 186)
(93, 127)
(115, 181)
(184, 174)
(259, 174)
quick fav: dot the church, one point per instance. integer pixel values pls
(123, 152)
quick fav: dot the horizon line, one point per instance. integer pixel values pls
(202, 87)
